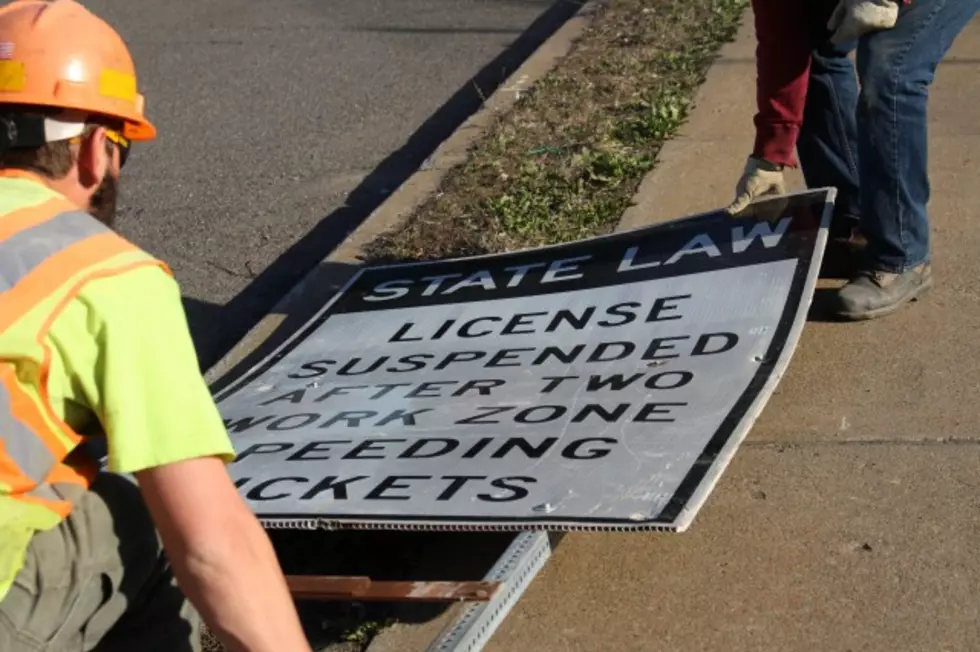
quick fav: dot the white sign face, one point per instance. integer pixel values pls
(602, 384)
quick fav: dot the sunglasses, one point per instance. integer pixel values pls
(122, 143)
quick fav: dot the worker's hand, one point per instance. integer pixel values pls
(851, 19)
(759, 178)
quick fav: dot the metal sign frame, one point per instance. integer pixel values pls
(802, 243)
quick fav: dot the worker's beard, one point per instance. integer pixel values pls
(103, 203)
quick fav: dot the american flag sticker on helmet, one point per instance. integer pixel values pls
(6, 50)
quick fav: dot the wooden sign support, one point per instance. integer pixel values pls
(364, 589)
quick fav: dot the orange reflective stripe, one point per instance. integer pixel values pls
(69, 296)
(29, 413)
(64, 474)
(60, 507)
(28, 455)
(88, 278)
(25, 218)
(56, 271)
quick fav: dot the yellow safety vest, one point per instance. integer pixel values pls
(49, 250)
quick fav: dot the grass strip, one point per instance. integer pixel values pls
(565, 162)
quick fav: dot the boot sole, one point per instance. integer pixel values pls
(882, 312)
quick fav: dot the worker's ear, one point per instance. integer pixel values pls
(95, 158)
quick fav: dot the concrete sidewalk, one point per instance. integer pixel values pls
(850, 518)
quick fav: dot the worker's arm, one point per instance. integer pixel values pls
(124, 343)
(784, 42)
(221, 556)
(782, 74)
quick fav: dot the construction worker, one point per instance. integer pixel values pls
(865, 134)
(94, 347)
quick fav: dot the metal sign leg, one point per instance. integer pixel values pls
(515, 569)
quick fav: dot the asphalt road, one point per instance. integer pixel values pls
(283, 124)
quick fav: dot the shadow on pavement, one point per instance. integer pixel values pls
(298, 306)
(261, 295)
(823, 305)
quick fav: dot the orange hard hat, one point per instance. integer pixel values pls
(56, 53)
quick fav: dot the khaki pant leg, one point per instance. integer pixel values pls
(99, 581)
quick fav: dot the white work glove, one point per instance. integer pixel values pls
(854, 18)
(759, 178)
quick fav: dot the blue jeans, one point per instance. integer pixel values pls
(871, 142)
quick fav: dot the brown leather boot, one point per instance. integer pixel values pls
(873, 293)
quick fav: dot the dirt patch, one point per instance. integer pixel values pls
(565, 162)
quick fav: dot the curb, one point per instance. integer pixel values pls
(307, 296)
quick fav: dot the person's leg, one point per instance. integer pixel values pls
(827, 145)
(99, 581)
(896, 68)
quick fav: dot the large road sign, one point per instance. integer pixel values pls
(601, 384)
